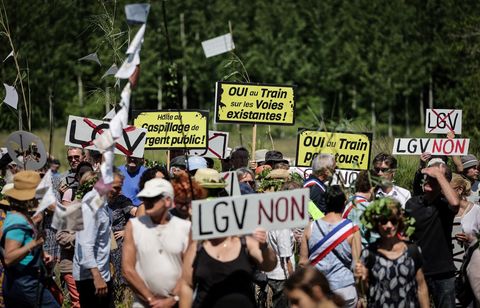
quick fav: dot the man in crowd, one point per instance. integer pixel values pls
(132, 171)
(91, 261)
(275, 160)
(385, 166)
(68, 179)
(323, 168)
(154, 247)
(434, 212)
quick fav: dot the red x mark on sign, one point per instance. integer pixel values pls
(120, 147)
(442, 120)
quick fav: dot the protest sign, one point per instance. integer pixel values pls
(417, 146)
(185, 129)
(81, 132)
(343, 177)
(254, 103)
(239, 215)
(442, 121)
(233, 186)
(218, 45)
(351, 150)
(217, 146)
(26, 150)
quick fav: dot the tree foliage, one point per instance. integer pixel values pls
(343, 56)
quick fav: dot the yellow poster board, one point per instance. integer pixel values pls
(183, 129)
(351, 150)
(254, 103)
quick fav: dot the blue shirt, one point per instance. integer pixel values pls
(92, 244)
(130, 187)
(19, 235)
(335, 270)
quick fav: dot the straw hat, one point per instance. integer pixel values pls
(24, 185)
(209, 178)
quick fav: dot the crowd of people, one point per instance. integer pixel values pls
(374, 244)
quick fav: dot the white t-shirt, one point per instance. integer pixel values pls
(282, 242)
(159, 252)
(398, 193)
(474, 194)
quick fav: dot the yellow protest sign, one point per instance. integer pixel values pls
(185, 129)
(254, 103)
(351, 150)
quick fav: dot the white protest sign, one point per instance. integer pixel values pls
(442, 121)
(233, 186)
(239, 215)
(82, 131)
(343, 177)
(417, 146)
(218, 45)
(217, 146)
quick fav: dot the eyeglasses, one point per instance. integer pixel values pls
(385, 220)
(76, 157)
(383, 170)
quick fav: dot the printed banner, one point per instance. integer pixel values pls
(82, 131)
(417, 146)
(254, 103)
(442, 121)
(351, 150)
(183, 129)
(217, 146)
(239, 215)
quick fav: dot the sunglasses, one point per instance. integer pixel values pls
(383, 170)
(76, 157)
(385, 220)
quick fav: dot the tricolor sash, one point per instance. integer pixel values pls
(340, 233)
(355, 200)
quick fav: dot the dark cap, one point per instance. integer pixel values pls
(272, 157)
(178, 161)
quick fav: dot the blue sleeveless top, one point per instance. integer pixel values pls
(335, 265)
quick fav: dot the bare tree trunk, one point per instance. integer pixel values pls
(80, 90)
(374, 118)
(422, 109)
(50, 114)
(430, 93)
(184, 73)
(407, 118)
(20, 122)
(354, 98)
(159, 86)
(390, 119)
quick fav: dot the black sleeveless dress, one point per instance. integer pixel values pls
(223, 284)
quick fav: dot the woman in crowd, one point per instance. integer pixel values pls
(211, 180)
(221, 269)
(24, 284)
(308, 288)
(122, 210)
(469, 215)
(391, 267)
(330, 243)
(186, 189)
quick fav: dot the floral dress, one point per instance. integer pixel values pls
(392, 283)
